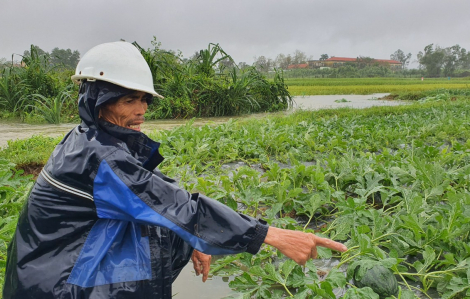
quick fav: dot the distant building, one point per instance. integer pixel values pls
(339, 61)
(315, 64)
(298, 66)
(335, 62)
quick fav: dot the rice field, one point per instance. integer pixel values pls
(325, 86)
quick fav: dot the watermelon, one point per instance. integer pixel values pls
(380, 279)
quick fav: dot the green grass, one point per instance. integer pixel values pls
(34, 150)
(13, 192)
(315, 86)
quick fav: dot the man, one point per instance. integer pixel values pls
(102, 222)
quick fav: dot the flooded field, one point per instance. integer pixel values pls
(339, 101)
(188, 285)
(12, 131)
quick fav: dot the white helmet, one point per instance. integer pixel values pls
(119, 63)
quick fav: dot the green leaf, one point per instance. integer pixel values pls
(287, 267)
(273, 274)
(302, 294)
(362, 293)
(389, 262)
(364, 243)
(243, 282)
(324, 290)
(456, 286)
(299, 279)
(363, 229)
(406, 294)
(336, 278)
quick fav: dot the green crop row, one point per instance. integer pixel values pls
(313, 86)
(373, 81)
(390, 182)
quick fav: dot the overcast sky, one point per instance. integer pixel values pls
(244, 28)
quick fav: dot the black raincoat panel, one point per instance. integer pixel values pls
(102, 222)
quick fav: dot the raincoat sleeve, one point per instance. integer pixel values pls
(124, 190)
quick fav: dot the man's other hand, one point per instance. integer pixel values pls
(201, 263)
(299, 246)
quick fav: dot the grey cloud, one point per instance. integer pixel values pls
(243, 28)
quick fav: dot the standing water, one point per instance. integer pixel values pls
(340, 101)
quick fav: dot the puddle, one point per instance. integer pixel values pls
(188, 285)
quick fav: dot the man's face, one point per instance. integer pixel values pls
(127, 112)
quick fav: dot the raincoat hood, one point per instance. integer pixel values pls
(94, 94)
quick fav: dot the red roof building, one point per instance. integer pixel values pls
(297, 66)
(338, 61)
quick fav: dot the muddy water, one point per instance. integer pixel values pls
(12, 131)
(188, 285)
(339, 101)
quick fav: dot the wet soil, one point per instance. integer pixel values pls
(31, 169)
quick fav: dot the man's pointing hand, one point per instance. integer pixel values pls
(299, 246)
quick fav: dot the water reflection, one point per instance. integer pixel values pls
(339, 101)
(188, 285)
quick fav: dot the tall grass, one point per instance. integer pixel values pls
(51, 108)
(196, 87)
(13, 192)
(11, 91)
(203, 86)
(35, 87)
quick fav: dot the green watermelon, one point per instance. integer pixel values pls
(380, 279)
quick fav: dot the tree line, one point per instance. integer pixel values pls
(65, 58)
(434, 61)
